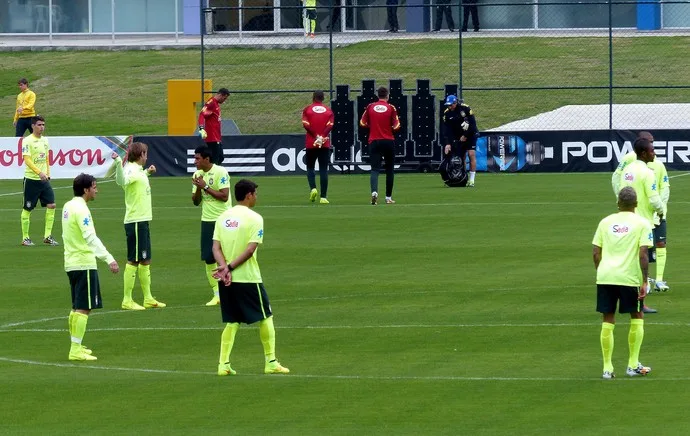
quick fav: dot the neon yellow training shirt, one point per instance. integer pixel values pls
(135, 182)
(216, 178)
(38, 150)
(620, 237)
(236, 228)
(82, 246)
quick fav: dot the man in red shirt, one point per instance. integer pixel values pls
(382, 120)
(209, 125)
(317, 120)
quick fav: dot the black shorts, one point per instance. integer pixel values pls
(207, 228)
(323, 155)
(35, 191)
(244, 302)
(311, 14)
(86, 289)
(660, 232)
(609, 295)
(138, 241)
(465, 146)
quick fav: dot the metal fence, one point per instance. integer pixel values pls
(586, 64)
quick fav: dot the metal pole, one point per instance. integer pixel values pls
(330, 54)
(90, 18)
(241, 17)
(202, 30)
(610, 66)
(177, 26)
(459, 56)
(50, 21)
(112, 21)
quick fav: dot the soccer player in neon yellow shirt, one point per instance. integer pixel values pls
(626, 160)
(138, 214)
(36, 153)
(82, 248)
(243, 298)
(211, 190)
(662, 181)
(619, 250)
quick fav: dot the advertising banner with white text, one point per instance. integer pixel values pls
(68, 156)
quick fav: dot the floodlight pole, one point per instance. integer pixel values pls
(610, 66)
(459, 54)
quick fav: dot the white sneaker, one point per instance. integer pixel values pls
(374, 198)
(638, 370)
(661, 286)
(608, 375)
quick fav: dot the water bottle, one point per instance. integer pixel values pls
(507, 153)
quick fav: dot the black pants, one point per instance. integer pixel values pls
(323, 155)
(216, 152)
(382, 149)
(470, 6)
(393, 17)
(22, 125)
(442, 8)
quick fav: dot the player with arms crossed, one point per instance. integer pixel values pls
(36, 152)
(619, 251)
(82, 247)
(317, 120)
(211, 190)
(134, 180)
(243, 298)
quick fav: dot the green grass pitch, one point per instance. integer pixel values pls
(454, 311)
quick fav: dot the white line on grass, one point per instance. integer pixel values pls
(347, 327)
(100, 313)
(7, 194)
(332, 377)
(679, 175)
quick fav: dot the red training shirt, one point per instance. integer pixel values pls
(382, 120)
(317, 119)
(210, 119)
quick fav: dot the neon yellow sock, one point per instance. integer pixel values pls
(312, 25)
(660, 263)
(50, 219)
(212, 281)
(606, 339)
(70, 324)
(130, 276)
(227, 339)
(145, 281)
(267, 333)
(26, 222)
(79, 321)
(635, 337)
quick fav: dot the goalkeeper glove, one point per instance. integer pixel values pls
(465, 125)
(202, 132)
(319, 141)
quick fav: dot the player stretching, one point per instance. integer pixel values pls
(138, 214)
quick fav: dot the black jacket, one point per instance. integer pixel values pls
(452, 123)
